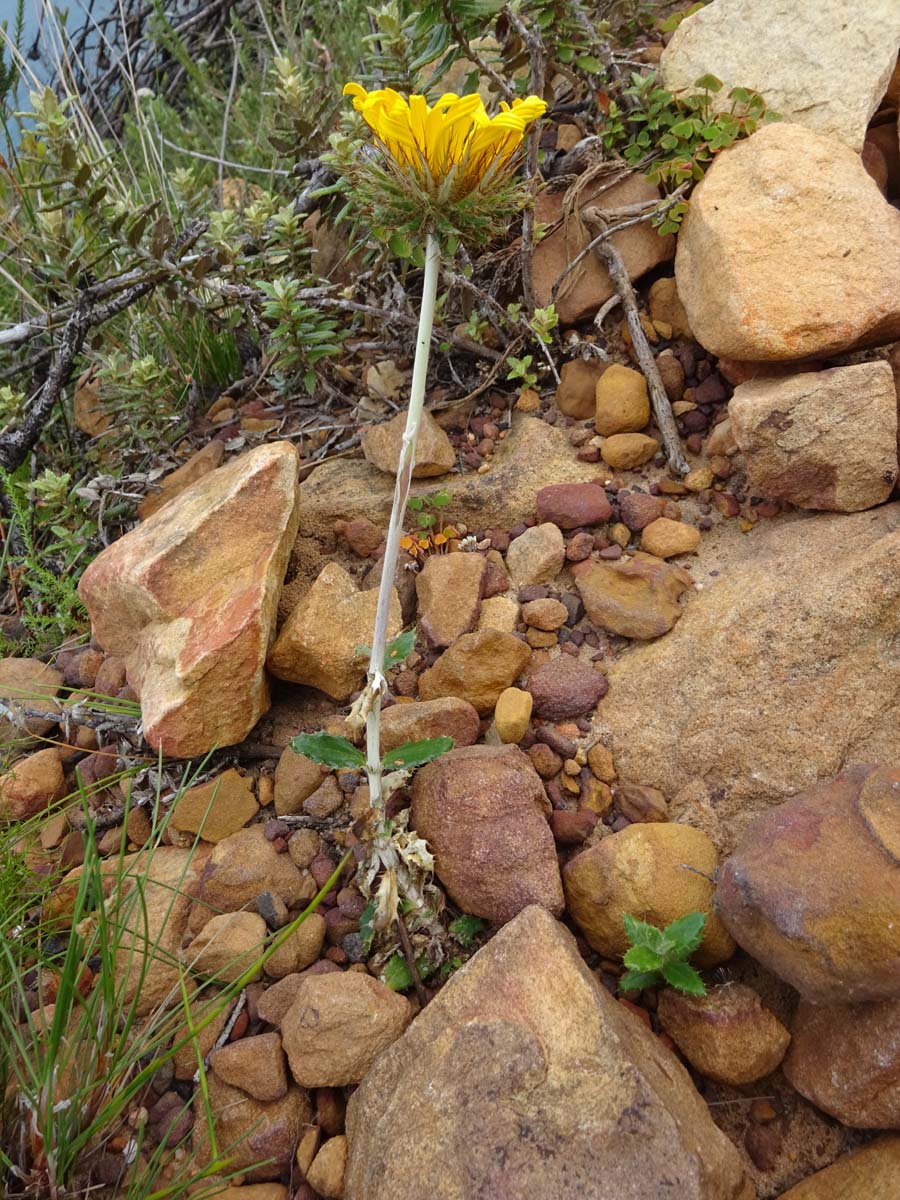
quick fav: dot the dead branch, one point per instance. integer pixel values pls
(662, 409)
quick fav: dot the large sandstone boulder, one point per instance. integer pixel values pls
(588, 286)
(813, 892)
(820, 439)
(524, 1078)
(189, 600)
(483, 812)
(846, 1060)
(824, 65)
(749, 699)
(808, 267)
(863, 1175)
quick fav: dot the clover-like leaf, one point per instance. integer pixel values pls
(396, 973)
(328, 750)
(416, 754)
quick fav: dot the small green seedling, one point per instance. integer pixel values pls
(660, 955)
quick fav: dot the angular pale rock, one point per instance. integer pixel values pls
(476, 668)
(381, 445)
(296, 778)
(863, 1175)
(536, 556)
(253, 1130)
(300, 950)
(31, 785)
(824, 65)
(821, 439)
(519, 1079)
(188, 600)
(795, 630)
(810, 267)
(576, 395)
(447, 717)
(27, 683)
(338, 1024)
(664, 538)
(216, 809)
(727, 1035)
(243, 865)
(846, 1060)
(256, 1065)
(483, 812)
(449, 589)
(588, 286)
(173, 484)
(326, 1173)
(317, 643)
(635, 597)
(227, 946)
(500, 613)
(785, 898)
(641, 871)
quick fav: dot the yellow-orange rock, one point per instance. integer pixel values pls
(182, 477)
(189, 599)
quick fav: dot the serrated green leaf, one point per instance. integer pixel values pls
(416, 754)
(401, 246)
(641, 934)
(686, 933)
(682, 975)
(328, 750)
(466, 928)
(400, 648)
(396, 974)
(642, 958)
(635, 981)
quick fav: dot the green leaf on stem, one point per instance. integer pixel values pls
(328, 750)
(416, 754)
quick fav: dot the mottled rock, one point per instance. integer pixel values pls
(655, 872)
(826, 234)
(27, 683)
(189, 599)
(565, 687)
(588, 286)
(31, 785)
(536, 556)
(822, 439)
(727, 1035)
(862, 1175)
(627, 451)
(635, 597)
(483, 812)
(571, 505)
(256, 1065)
(798, 615)
(846, 1060)
(252, 1130)
(337, 1026)
(296, 778)
(500, 613)
(317, 643)
(665, 538)
(638, 509)
(245, 864)
(785, 898)
(449, 588)
(825, 66)
(512, 715)
(519, 1078)
(381, 445)
(623, 403)
(447, 717)
(476, 668)
(546, 614)
(576, 394)
(227, 946)
(216, 809)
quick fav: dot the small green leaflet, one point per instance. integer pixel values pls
(682, 975)
(396, 651)
(467, 928)
(367, 924)
(328, 750)
(396, 974)
(415, 754)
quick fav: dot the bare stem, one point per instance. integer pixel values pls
(376, 682)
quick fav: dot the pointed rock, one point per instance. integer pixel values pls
(381, 444)
(523, 1077)
(189, 599)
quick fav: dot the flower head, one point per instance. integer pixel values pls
(453, 141)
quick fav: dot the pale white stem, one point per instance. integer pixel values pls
(376, 680)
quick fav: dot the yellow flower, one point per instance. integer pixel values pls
(454, 139)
